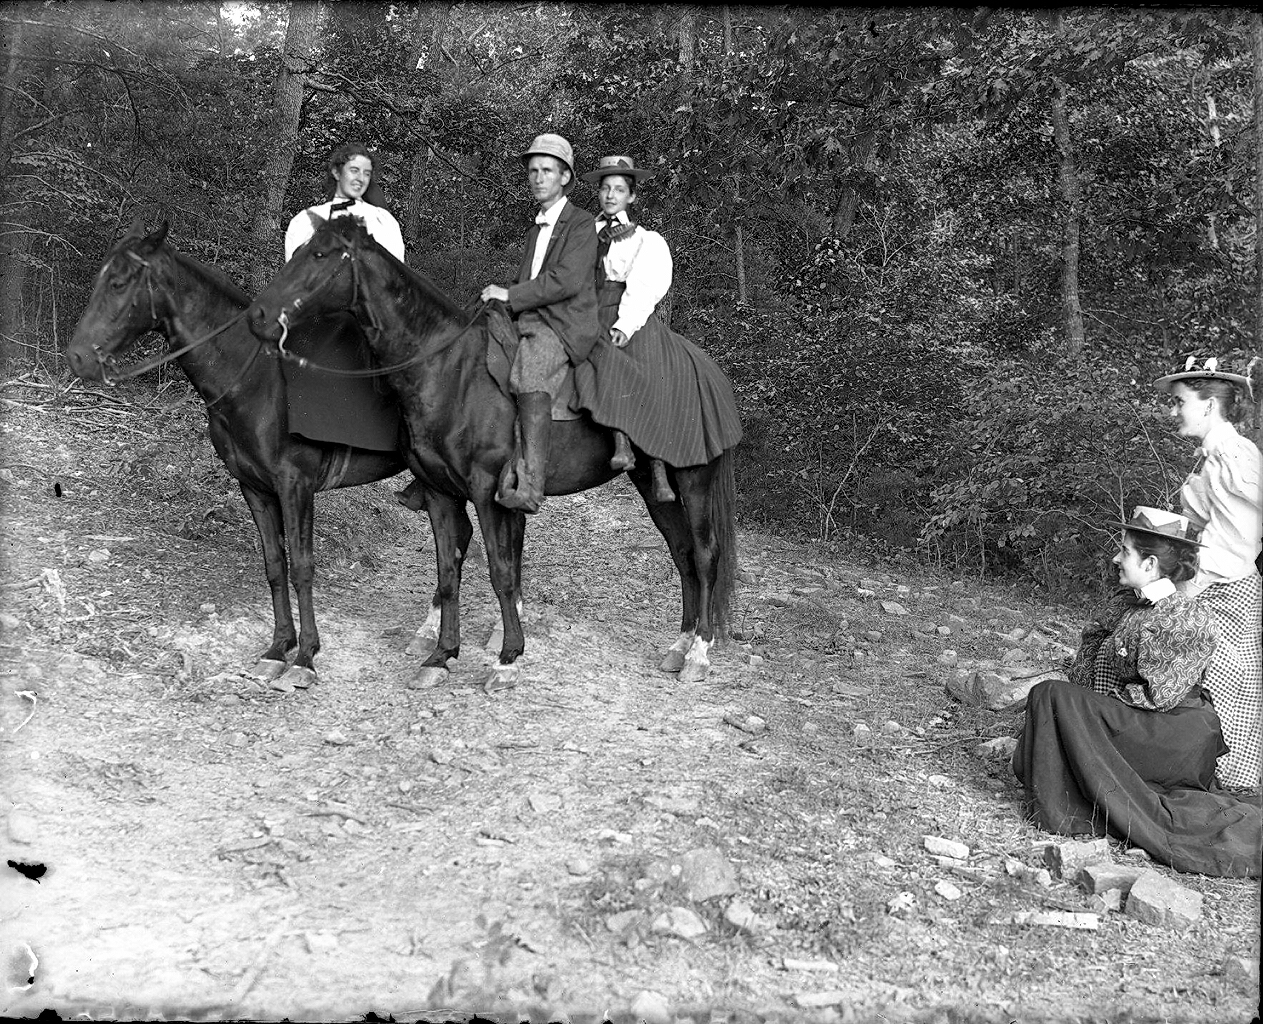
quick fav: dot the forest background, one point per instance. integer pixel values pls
(941, 253)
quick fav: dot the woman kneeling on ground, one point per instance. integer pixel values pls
(1127, 747)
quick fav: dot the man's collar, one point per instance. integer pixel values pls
(1158, 590)
(551, 215)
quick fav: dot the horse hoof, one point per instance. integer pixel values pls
(301, 678)
(269, 668)
(673, 662)
(694, 672)
(502, 677)
(430, 676)
(421, 645)
(281, 684)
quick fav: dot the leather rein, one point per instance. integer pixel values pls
(373, 326)
(172, 354)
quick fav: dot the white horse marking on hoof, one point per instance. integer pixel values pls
(432, 675)
(696, 663)
(673, 661)
(427, 634)
(269, 668)
(301, 677)
(502, 677)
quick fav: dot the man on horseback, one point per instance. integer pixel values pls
(553, 305)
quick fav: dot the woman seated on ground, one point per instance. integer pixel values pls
(1127, 746)
(642, 379)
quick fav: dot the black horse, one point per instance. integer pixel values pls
(461, 427)
(146, 285)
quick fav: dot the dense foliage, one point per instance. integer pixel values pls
(867, 209)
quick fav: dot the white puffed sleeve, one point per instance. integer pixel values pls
(301, 229)
(383, 227)
(648, 280)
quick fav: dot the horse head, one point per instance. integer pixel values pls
(320, 278)
(128, 300)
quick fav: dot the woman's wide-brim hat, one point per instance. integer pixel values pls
(1209, 371)
(1168, 525)
(552, 145)
(623, 165)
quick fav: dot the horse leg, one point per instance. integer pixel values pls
(267, 520)
(297, 500)
(427, 634)
(503, 533)
(672, 523)
(695, 485)
(452, 530)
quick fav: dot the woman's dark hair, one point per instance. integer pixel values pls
(631, 190)
(1177, 560)
(1230, 396)
(373, 194)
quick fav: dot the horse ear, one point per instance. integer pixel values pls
(157, 238)
(317, 221)
(135, 230)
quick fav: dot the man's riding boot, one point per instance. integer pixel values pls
(623, 459)
(413, 496)
(535, 417)
(661, 487)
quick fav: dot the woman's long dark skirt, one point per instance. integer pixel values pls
(1091, 764)
(360, 411)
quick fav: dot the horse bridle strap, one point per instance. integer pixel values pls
(373, 326)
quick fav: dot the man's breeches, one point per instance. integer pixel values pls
(541, 358)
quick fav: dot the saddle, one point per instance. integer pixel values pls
(502, 346)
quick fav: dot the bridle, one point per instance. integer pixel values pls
(175, 328)
(372, 326)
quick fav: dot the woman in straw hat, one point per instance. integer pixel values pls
(1127, 746)
(1224, 492)
(651, 385)
(359, 411)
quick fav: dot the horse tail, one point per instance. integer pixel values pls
(723, 508)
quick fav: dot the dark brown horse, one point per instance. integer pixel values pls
(146, 285)
(461, 427)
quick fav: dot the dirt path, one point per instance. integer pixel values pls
(213, 848)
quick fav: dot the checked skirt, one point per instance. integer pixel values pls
(1235, 678)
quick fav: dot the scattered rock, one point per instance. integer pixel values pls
(1242, 970)
(884, 862)
(893, 608)
(1014, 656)
(337, 738)
(943, 630)
(754, 660)
(901, 905)
(579, 866)
(9, 622)
(939, 781)
(1066, 860)
(1050, 918)
(948, 658)
(818, 1000)
(651, 1007)
(320, 942)
(679, 921)
(675, 804)
(946, 847)
(1139, 853)
(22, 828)
(1106, 902)
(891, 727)
(623, 920)
(994, 686)
(1098, 877)
(742, 916)
(544, 803)
(1000, 748)
(1157, 900)
(790, 964)
(861, 731)
(207, 609)
(947, 890)
(753, 724)
(99, 555)
(705, 873)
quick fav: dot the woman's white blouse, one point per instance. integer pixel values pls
(643, 262)
(1227, 492)
(381, 225)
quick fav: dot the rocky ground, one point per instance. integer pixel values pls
(598, 843)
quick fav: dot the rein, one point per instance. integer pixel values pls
(173, 354)
(420, 357)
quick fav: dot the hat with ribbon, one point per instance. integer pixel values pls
(1209, 371)
(623, 165)
(1169, 525)
(552, 145)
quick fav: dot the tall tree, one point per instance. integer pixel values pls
(298, 61)
(1072, 210)
(1257, 33)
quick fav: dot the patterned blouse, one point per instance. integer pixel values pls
(1148, 655)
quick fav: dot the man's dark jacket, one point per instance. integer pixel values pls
(563, 293)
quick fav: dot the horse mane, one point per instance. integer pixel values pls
(214, 275)
(353, 229)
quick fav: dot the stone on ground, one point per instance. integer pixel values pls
(945, 847)
(706, 873)
(1157, 900)
(1066, 860)
(1098, 877)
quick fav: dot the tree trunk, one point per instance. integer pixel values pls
(738, 234)
(13, 243)
(1212, 127)
(686, 35)
(848, 205)
(1258, 183)
(287, 102)
(418, 182)
(1072, 205)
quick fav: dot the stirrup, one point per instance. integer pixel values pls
(624, 459)
(662, 492)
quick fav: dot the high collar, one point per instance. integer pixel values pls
(1158, 590)
(619, 218)
(552, 214)
(1220, 435)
